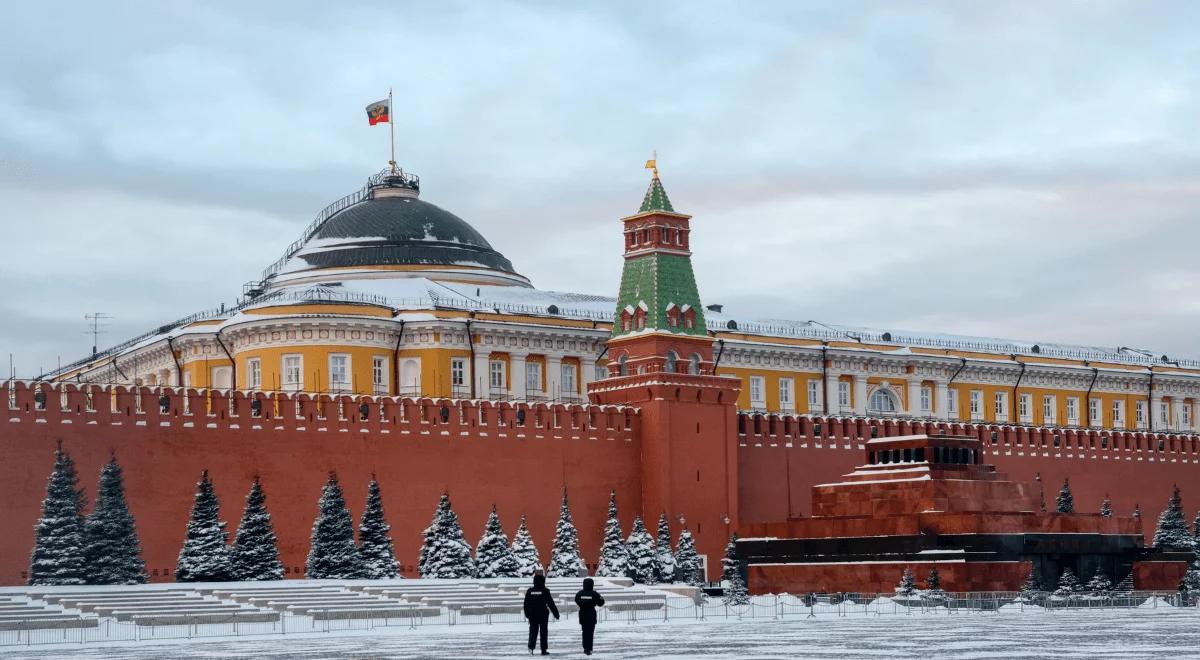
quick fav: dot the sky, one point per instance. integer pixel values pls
(1024, 169)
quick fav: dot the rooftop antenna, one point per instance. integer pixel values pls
(97, 320)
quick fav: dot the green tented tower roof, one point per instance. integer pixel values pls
(656, 198)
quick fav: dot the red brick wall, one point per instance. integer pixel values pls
(882, 577)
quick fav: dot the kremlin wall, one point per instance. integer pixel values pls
(393, 340)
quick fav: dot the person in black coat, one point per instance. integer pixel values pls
(588, 600)
(539, 604)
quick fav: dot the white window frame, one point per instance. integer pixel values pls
(1139, 413)
(952, 402)
(843, 396)
(1164, 414)
(379, 373)
(497, 375)
(976, 404)
(926, 399)
(1095, 412)
(787, 394)
(290, 383)
(533, 377)
(1025, 403)
(1072, 411)
(814, 395)
(1118, 414)
(339, 382)
(1185, 416)
(458, 372)
(1000, 406)
(758, 393)
(254, 374)
(1049, 409)
(568, 380)
(601, 372)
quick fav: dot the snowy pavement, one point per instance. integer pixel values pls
(1095, 634)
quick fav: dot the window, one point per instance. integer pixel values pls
(1118, 414)
(622, 367)
(1164, 413)
(339, 372)
(458, 372)
(756, 392)
(976, 404)
(1000, 406)
(694, 365)
(672, 362)
(786, 401)
(568, 378)
(926, 399)
(293, 368)
(1094, 416)
(1185, 416)
(843, 395)
(601, 372)
(882, 401)
(379, 372)
(254, 374)
(1025, 403)
(814, 395)
(496, 379)
(1139, 411)
(533, 376)
(1049, 409)
(1072, 410)
(952, 402)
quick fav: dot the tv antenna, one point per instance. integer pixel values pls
(97, 321)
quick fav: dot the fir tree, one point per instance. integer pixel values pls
(687, 561)
(933, 583)
(374, 538)
(58, 549)
(450, 556)
(112, 551)
(525, 552)
(908, 583)
(332, 553)
(493, 557)
(205, 553)
(666, 559)
(1065, 502)
(614, 558)
(255, 552)
(641, 554)
(1191, 579)
(1068, 584)
(1032, 585)
(1126, 584)
(1172, 531)
(565, 560)
(731, 573)
(430, 535)
(1099, 584)
(1106, 507)
(1196, 532)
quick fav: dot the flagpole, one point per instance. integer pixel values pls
(392, 130)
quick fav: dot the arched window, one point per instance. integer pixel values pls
(882, 401)
(694, 365)
(622, 368)
(672, 362)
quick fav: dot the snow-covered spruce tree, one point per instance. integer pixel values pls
(642, 555)
(1191, 579)
(1106, 507)
(665, 558)
(1196, 532)
(112, 549)
(1032, 584)
(908, 583)
(255, 551)
(525, 552)
(933, 583)
(1068, 584)
(58, 547)
(565, 560)
(451, 554)
(614, 558)
(1099, 584)
(493, 557)
(731, 574)
(374, 538)
(332, 553)
(687, 561)
(430, 535)
(1065, 502)
(1172, 531)
(205, 553)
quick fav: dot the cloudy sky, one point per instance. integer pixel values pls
(1017, 169)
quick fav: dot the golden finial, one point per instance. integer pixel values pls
(652, 164)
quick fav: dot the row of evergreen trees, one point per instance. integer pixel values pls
(1171, 532)
(445, 552)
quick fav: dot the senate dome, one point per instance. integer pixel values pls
(385, 231)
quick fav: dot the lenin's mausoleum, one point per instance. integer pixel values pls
(392, 339)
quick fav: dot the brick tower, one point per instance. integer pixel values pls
(660, 357)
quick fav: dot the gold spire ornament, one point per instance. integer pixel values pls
(652, 164)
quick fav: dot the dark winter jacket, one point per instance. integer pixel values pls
(538, 601)
(588, 600)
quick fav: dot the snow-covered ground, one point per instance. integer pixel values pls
(1092, 634)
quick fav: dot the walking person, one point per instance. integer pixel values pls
(539, 604)
(588, 600)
